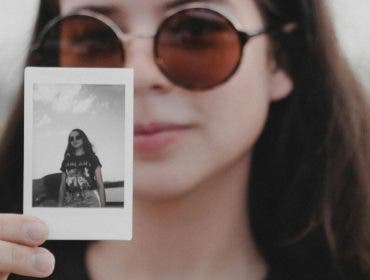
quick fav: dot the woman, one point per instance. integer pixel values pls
(264, 171)
(81, 174)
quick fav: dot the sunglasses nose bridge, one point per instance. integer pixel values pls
(127, 37)
(139, 50)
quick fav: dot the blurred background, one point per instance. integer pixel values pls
(16, 24)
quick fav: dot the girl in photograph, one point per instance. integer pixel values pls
(81, 174)
(252, 152)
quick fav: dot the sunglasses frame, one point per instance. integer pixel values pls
(77, 137)
(244, 36)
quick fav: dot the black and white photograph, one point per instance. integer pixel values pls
(77, 149)
(78, 136)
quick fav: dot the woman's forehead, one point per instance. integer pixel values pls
(133, 10)
(157, 5)
(74, 133)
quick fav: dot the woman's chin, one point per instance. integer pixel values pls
(157, 191)
(159, 179)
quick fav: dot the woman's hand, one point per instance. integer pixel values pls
(20, 237)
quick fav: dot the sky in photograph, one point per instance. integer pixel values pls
(96, 109)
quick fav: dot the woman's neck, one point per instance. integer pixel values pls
(203, 235)
(79, 151)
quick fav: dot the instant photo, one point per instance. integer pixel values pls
(78, 151)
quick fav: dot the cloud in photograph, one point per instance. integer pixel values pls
(84, 105)
(105, 105)
(43, 121)
(71, 98)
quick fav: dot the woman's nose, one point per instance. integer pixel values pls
(147, 76)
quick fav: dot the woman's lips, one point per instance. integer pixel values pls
(155, 137)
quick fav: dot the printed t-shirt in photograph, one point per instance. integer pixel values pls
(80, 171)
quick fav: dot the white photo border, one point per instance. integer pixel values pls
(81, 223)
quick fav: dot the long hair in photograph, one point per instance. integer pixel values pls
(87, 146)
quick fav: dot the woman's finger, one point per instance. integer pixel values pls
(22, 230)
(4, 276)
(27, 261)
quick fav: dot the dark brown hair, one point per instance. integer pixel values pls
(309, 185)
(310, 174)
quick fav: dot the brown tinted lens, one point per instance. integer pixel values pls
(197, 48)
(80, 41)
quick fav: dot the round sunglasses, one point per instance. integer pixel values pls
(74, 138)
(195, 47)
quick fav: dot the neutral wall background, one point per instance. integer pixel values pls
(16, 24)
(353, 31)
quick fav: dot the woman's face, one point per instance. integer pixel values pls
(75, 139)
(183, 138)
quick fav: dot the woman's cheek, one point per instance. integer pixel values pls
(226, 134)
(235, 115)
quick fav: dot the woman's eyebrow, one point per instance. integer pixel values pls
(103, 9)
(175, 3)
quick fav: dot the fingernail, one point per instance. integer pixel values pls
(44, 261)
(36, 231)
